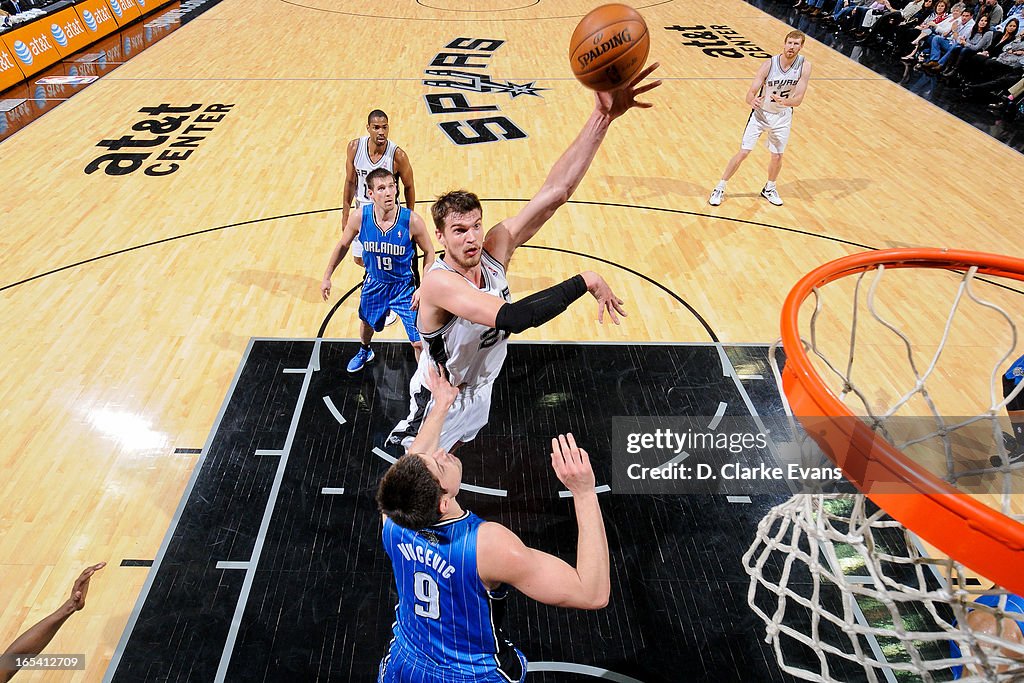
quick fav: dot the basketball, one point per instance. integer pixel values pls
(609, 47)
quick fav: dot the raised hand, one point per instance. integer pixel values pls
(572, 465)
(440, 388)
(81, 586)
(617, 102)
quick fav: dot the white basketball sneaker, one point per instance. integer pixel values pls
(772, 195)
(716, 196)
(391, 319)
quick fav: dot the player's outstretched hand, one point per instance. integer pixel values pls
(617, 102)
(606, 299)
(81, 586)
(572, 465)
(325, 288)
(440, 388)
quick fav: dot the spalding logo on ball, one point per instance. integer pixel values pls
(609, 47)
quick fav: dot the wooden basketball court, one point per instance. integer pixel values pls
(129, 300)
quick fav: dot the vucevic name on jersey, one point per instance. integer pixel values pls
(780, 83)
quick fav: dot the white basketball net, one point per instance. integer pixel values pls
(843, 589)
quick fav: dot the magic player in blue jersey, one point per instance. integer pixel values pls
(453, 570)
(387, 232)
(1014, 443)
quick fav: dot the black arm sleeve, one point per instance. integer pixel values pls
(537, 309)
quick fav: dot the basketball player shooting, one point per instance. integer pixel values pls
(779, 85)
(466, 312)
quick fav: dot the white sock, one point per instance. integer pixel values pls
(721, 185)
(770, 185)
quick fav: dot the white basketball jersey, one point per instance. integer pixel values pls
(780, 83)
(363, 166)
(472, 353)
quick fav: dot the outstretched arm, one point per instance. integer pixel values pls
(502, 557)
(565, 176)
(31, 642)
(532, 311)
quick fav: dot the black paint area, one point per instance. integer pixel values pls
(322, 600)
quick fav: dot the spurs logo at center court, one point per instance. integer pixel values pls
(482, 83)
(450, 69)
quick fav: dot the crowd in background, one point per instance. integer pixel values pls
(13, 12)
(974, 46)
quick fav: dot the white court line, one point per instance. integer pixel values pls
(750, 376)
(603, 488)
(261, 535)
(172, 527)
(713, 425)
(858, 613)
(482, 490)
(295, 371)
(332, 492)
(334, 410)
(265, 451)
(738, 499)
(382, 454)
(583, 669)
(719, 414)
(730, 371)
(223, 564)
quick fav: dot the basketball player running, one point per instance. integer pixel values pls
(466, 314)
(780, 85)
(453, 570)
(387, 232)
(364, 155)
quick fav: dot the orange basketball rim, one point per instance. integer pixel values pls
(964, 528)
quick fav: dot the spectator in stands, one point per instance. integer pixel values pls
(1016, 12)
(31, 642)
(978, 41)
(860, 12)
(941, 45)
(16, 6)
(940, 21)
(993, 10)
(817, 7)
(885, 29)
(1009, 105)
(998, 73)
(971, 64)
(844, 9)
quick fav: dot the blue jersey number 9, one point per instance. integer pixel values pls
(426, 592)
